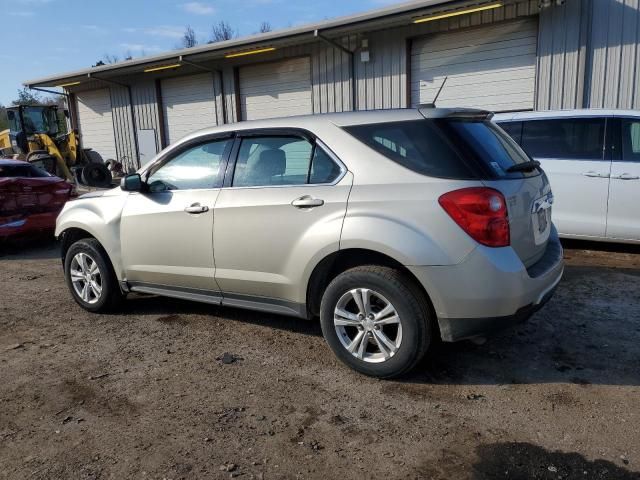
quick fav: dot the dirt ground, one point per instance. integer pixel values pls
(146, 394)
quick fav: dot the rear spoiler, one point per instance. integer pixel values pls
(429, 111)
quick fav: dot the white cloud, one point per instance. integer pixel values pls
(166, 31)
(198, 8)
(94, 28)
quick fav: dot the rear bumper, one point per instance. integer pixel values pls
(455, 329)
(491, 289)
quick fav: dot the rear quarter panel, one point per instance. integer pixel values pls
(406, 222)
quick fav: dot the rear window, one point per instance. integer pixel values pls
(446, 148)
(22, 171)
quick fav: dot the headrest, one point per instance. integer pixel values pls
(270, 163)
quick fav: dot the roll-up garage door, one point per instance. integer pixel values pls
(491, 67)
(276, 89)
(95, 122)
(189, 104)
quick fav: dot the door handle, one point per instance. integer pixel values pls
(196, 208)
(307, 202)
(591, 173)
(626, 176)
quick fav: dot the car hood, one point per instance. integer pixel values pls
(101, 193)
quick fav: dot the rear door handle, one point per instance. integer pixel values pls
(196, 208)
(595, 174)
(626, 176)
(307, 202)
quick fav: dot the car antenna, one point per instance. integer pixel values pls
(433, 103)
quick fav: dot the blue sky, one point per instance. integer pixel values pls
(44, 37)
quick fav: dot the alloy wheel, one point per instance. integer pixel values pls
(86, 278)
(368, 325)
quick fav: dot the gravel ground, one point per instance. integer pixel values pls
(150, 393)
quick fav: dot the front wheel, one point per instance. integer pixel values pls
(90, 277)
(376, 321)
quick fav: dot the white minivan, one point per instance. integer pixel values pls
(592, 158)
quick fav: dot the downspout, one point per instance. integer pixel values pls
(344, 49)
(133, 116)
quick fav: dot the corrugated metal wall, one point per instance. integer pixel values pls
(562, 41)
(123, 127)
(145, 106)
(331, 78)
(613, 55)
(588, 56)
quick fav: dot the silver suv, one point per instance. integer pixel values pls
(394, 227)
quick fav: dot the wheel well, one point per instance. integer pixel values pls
(71, 236)
(341, 261)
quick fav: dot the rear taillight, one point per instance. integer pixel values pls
(481, 213)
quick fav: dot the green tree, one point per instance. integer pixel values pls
(28, 97)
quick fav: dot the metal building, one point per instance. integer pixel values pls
(500, 55)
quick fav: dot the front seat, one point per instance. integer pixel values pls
(270, 163)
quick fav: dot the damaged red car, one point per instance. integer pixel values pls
(30, 198)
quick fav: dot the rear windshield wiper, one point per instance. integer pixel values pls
(524, 166)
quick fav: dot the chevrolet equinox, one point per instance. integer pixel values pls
(394, 227)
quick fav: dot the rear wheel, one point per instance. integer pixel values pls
(90, 277)
(376, 321)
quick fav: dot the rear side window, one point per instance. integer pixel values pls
(419, 145)
(446, 148)
(22, 171)
(283, 160)
(564, 138)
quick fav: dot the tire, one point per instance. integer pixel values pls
(96, 175)
(93, 156)
(110, 296)
(386, 286)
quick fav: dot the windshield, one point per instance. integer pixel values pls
(445, 147)
(40, 120)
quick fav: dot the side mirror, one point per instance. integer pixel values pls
(132, 183)
(66, 113)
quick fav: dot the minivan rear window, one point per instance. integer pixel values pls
(445, 148)
(564, 138)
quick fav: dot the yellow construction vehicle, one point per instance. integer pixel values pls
(34, 135)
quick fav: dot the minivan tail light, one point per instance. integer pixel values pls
(481, 212)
